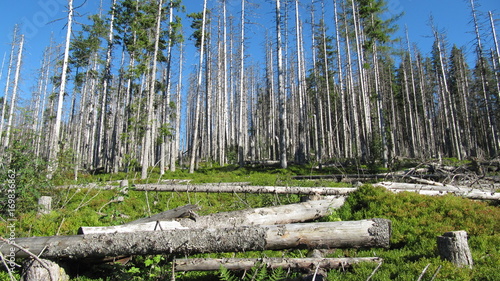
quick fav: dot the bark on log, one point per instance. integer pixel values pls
(453, 246)
(33, 270)
(283, 214)
(245, 189)
(346, 234)
(201, 264)
(440, 190)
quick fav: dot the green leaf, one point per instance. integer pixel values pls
(133, 270)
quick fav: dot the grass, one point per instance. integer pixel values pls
(417, 221)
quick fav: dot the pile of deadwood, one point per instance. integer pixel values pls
(181, 232)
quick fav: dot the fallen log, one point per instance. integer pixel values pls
(179, 212)
(424, 189)
(352, 177)
(245, 189)
(202, 264)
(344, 234)
(283, 214)
(145, 226)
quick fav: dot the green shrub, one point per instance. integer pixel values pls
(416, 222)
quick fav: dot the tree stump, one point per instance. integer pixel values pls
(33, 270)
(44, 205)
(124, 186)
(453, 246)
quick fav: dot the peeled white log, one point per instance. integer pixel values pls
(283, 214)
(440, 190)
(245, 189)
(202, 264)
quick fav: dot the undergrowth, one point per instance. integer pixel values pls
(416, 222)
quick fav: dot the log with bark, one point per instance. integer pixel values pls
(207, 264)
(345, 234)
(245, 189)
(283, 214)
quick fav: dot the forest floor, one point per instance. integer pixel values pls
(416, 221)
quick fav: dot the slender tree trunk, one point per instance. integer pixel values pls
(54, 147)
(148, 135)
(194, 142)
(494, 142)
(176, 144)
(241, 153)
(14, 93)
(7, 86)
(301, 87)
(496, 55)
(281, 91)
(345, 125)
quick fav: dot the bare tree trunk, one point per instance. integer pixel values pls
(54, 147)
(347, 149)
(148, 137)
(194, 142)
(7, 86)
(14, 93)
(176, 144)
(241, 134)
(494, 141)
(281, 91)
(496, 60)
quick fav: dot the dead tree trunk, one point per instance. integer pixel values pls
(246, 189)
(344, 234)
(201, 264)
(453, 246)
(440, 190)
(285, 214)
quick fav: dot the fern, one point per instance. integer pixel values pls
(226, 275)
(258, 273)
(278, 274)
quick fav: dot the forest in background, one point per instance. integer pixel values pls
(332, 85)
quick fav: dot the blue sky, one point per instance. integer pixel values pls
(41, 18)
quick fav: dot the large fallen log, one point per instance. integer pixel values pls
(361, 177)
(245, 189)
(283, 214)
(202, 264)
(345, 234)
(424, 189)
